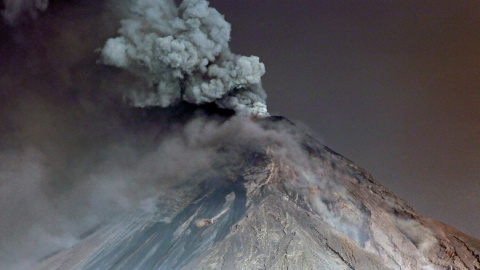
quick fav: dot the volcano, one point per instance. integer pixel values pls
(281, 201)
(133, 137)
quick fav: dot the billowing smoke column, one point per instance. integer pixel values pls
(183, 55)
(15, 8)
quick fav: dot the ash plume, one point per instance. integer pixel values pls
(183, 54)
(14, 9)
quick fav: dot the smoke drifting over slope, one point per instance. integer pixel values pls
(56, 120)
(184, 55)
(72, 153)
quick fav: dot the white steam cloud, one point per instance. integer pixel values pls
(14, 9)
(183, 55)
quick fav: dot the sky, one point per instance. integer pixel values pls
(392, 85)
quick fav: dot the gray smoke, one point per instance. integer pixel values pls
(14, 9)
(56, 120)
(183, 54)
(72, 156)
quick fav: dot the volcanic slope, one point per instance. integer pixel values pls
(271, 206)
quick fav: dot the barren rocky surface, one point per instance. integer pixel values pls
(261, 210)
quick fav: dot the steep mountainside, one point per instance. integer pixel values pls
(267, 206)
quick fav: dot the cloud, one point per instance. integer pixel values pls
(183, 54)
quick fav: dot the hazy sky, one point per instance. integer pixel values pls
(391, 85)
